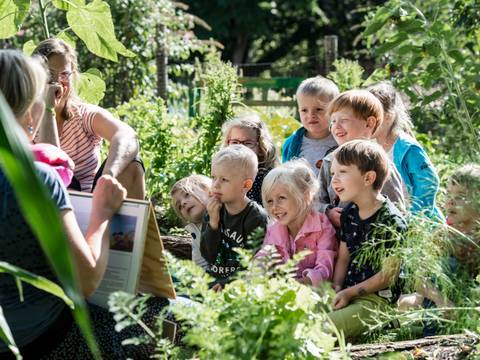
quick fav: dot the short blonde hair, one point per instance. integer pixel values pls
(298, 178)
(318, 86)
(267, 155)
(23, 80)
(361, 102)
(239, 158)
(196, 185)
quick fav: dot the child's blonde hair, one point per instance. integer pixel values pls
(393, 105)
(196, 185)
(318, 86)
(23, 80)
(299, 180)
(468, 177)
(239, 158)
(267, 155)
(361, 102)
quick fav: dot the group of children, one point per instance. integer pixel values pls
(336, 191)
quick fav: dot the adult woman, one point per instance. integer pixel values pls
(41, 324)
(78, 128)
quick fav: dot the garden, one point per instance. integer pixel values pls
(175, 72)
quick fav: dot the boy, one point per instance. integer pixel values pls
(354, 114)
(313, 140)
(370, 225)
(231, 217)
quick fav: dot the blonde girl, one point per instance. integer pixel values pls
(189, 200)
(412, 162)
(288, 193)
(249, 130)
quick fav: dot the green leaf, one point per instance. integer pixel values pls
(432, 97)
(433, 48)
(396, 40)
(12, 14)
(90, 87)
(7, 337)
(38, 281)
(69, 39)
(67, 5)
(93, 24)
(381, 17)
(410, 26)
(28, 47)
(457, 56)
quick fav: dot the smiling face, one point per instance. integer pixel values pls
(61, 71)
(346, 126)
(189, 207)
(312, 110)
(283, 207)
(461, 212)
(348, 182)
(228, 185)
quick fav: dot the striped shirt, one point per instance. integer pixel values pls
(80, 142)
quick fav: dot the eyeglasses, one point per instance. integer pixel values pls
(64, 76)
(248, 143)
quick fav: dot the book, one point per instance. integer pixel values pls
(136, 260)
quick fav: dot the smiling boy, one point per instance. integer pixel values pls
(231, 217)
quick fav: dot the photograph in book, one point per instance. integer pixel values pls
(127, 242)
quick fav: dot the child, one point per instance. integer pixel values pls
(189, 200)
(397, 138)
(288, 193)
(313, 140)
(370, 223)
(251, 131)
(354, 114)
(231, 217)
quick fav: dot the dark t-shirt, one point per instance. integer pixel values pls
(19, 247)
(377, 233)
(255, 193)
(217, 246)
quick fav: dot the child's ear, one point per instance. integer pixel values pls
(372, 122)
(370, 177)
(247, 184)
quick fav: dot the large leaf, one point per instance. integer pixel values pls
(12, 13)
(7, 337)
(67, 5)
(28, 47)
(40, 212)
(93, 24)
(91, 87)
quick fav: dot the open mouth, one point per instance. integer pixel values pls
(340, 134)
(338, 190)
(189, 209)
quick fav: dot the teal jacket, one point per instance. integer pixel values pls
(293, 145)
(418, 174)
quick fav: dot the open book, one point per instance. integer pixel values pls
(136, 261)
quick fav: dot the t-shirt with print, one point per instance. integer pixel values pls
(217, 246)
(380, 231)
(19, 247)
(255, 193)
(314, 150)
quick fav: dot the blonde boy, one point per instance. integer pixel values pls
(354, 114)
(231, 216)
(313, 140)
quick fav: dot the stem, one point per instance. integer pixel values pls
(44, 19)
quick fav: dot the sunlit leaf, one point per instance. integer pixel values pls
(12, 13)
(67, 5)
(69, 39)
(91, 87)
(380, 19)
(6, 335)
(28, 47)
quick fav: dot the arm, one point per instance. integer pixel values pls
(211, 235)
(123, 141)
(48, 130)
(90, 253)
(341, 266)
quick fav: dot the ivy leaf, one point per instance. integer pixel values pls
(28, 47)
(64, 5)
(12, 13)
(90, 86)
(93, 24)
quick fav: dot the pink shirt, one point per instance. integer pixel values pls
(317, 235)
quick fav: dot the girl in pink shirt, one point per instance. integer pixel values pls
(288, 193)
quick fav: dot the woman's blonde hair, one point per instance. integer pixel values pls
(23, 80)
(196, 185)
(299, 180)
(267, 154)
(55, 46)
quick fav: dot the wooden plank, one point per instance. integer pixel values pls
(269, 103)
(271, 83)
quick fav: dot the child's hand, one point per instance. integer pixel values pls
(334, 216)
(213, 209)
(337, 288)
(305, 280)
(342, 299)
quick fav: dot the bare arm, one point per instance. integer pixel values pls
(341, 266)
(48, 128)
(91, 252)
(123, 141)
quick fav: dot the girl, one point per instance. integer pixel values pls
(189, 200)
(410, 159)
(249, 130)
(288, 193)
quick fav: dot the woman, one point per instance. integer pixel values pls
(78, 128)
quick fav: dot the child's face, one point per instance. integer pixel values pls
(346, 126)
(347, 181)
(281, 205)
(246, 137)
(312, 110)
(461, 212)
(190, 208)
(228, 185)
